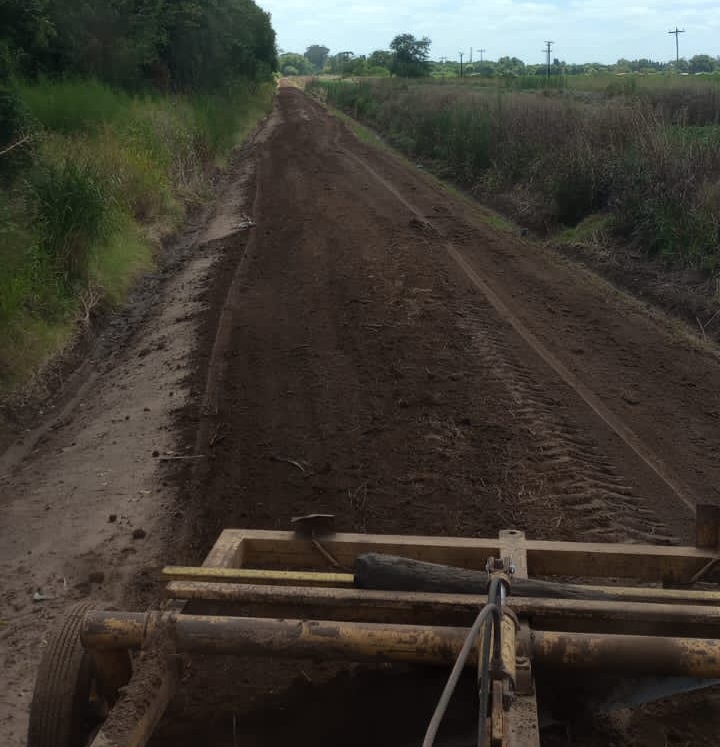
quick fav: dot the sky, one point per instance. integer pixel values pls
(583, 31)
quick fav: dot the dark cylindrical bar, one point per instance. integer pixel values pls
(640, 655)
(693, 657)
(707, 524)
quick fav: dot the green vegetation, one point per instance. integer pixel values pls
(648, 164)
(175, 44)
(410, 56)
(112, 117)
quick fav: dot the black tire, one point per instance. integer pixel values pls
(60, 713)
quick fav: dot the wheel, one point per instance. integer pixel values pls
(68, 703)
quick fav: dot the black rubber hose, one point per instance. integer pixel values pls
(487, 611)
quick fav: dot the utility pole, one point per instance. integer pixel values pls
(471, 55)
(677, 33)
(482, 52)
(461, 70)
(548, 52)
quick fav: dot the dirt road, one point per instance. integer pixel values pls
(430, 373)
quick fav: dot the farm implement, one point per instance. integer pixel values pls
(520, 614)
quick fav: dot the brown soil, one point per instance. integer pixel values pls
(433, 376)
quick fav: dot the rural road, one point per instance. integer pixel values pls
(430, 373)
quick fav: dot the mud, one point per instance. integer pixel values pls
(351, 342)
(341, 326)
(87, 510)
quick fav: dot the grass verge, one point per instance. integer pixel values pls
(650, 162)
(99, 178)
(366, 135)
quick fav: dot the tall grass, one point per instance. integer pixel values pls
(565, 157)
(106, 175)
(75, 210)
(73, 106)
(536, 82)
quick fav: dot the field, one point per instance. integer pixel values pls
(637, 155)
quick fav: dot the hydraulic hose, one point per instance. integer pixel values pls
(490, 609)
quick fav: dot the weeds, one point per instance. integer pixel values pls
(647, 158)
(83, 202)
(75, 210)
(75, 106)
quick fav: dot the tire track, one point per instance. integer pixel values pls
(571, 474)
(603, 505)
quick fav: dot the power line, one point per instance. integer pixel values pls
(548, 52)
(677, 33)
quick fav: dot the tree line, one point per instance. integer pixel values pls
(410, 57)
(406, 57)
(178, 45)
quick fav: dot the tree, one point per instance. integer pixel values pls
(355, 66)
(317, 56)
(209, 42)
(410, 59)
(485, 68)
(183, 44)
(702, 63)
(510, 66)
(381, 58)
(25, 31)
(113, 40)
(295, 64)
(338, 62)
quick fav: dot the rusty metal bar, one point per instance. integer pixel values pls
(509, 631)
(105, 631)
(257, 576)
(339, 640)
(521, 723)
(205, 582)
(638, 655)
(389, 606)
(693, 657)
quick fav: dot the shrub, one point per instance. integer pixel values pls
(112, 173)
(579, 185)
(651, 159)
(75, 210)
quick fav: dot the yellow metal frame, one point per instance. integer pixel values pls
(279, 593)
(242, 548)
